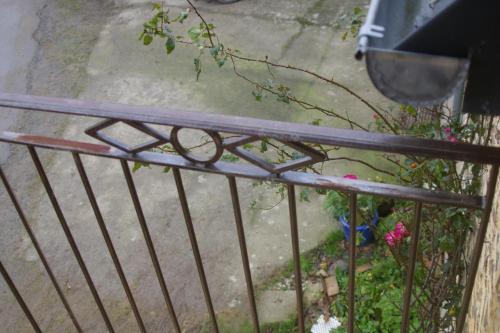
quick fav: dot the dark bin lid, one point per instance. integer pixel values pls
(419, 51)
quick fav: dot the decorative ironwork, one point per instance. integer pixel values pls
(96, 132)
(312, 156)
(181, 150)
(233, 144)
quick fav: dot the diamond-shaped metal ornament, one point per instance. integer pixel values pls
(312, 156)
(158, 138)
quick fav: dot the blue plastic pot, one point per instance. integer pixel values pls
(368, 236)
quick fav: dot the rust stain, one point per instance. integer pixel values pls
(64, 144)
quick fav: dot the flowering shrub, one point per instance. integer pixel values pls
(378, 295)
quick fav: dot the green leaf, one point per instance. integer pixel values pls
(229, 158)
(304, 195)
(166, 169)
(285, 99)
(411, 110)
(220, 62)
(316, 122)
(263, 146)
(167, 29)
(170, 45)
(194, 34)
(148, 39)
(183, 15)
(258, 95)
(357, 10)
(214, 51)
(157, 6)
(269, 84)
(446, 243)
(138, 165)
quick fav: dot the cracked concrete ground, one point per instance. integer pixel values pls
(89, 50)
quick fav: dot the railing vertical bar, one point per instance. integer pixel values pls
(194, 246)
(244, 252)
(69, 235)
(107, 239)
(150, 245)
(292, 206)
(478, 246)
(353, 203)
(411, 267)
(19, 298)
(38, 249)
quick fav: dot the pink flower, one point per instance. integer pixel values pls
(452, 139)
(447, 130)
(350, 176)
(390, 238)
(396, 236)
(401, 230)
(375, 116)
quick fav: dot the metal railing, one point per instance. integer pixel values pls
(243, 130)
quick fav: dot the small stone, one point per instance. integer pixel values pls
(322, 273)
(323, 265)
(331, 286)
(363, 268)
(341, 264)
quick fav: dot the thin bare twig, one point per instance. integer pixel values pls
(209, 32)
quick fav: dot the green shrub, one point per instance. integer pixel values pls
(379, 294)
(333, 245)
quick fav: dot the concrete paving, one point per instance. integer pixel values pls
(89, 50)
(18, 21)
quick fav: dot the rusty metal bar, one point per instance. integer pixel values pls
(107, 239)
(150, 245)
(353, 203)
(69, 235)
(38, 249)
(249, 171)
(194, 246)
(290, 132)
(292, 206)
(244, 253)
(19, 298)
(478, 246)
(411, 267)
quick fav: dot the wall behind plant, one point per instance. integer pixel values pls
(484, 315)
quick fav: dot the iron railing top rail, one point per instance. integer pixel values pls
(290, 132)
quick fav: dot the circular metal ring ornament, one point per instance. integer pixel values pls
(179, 148)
